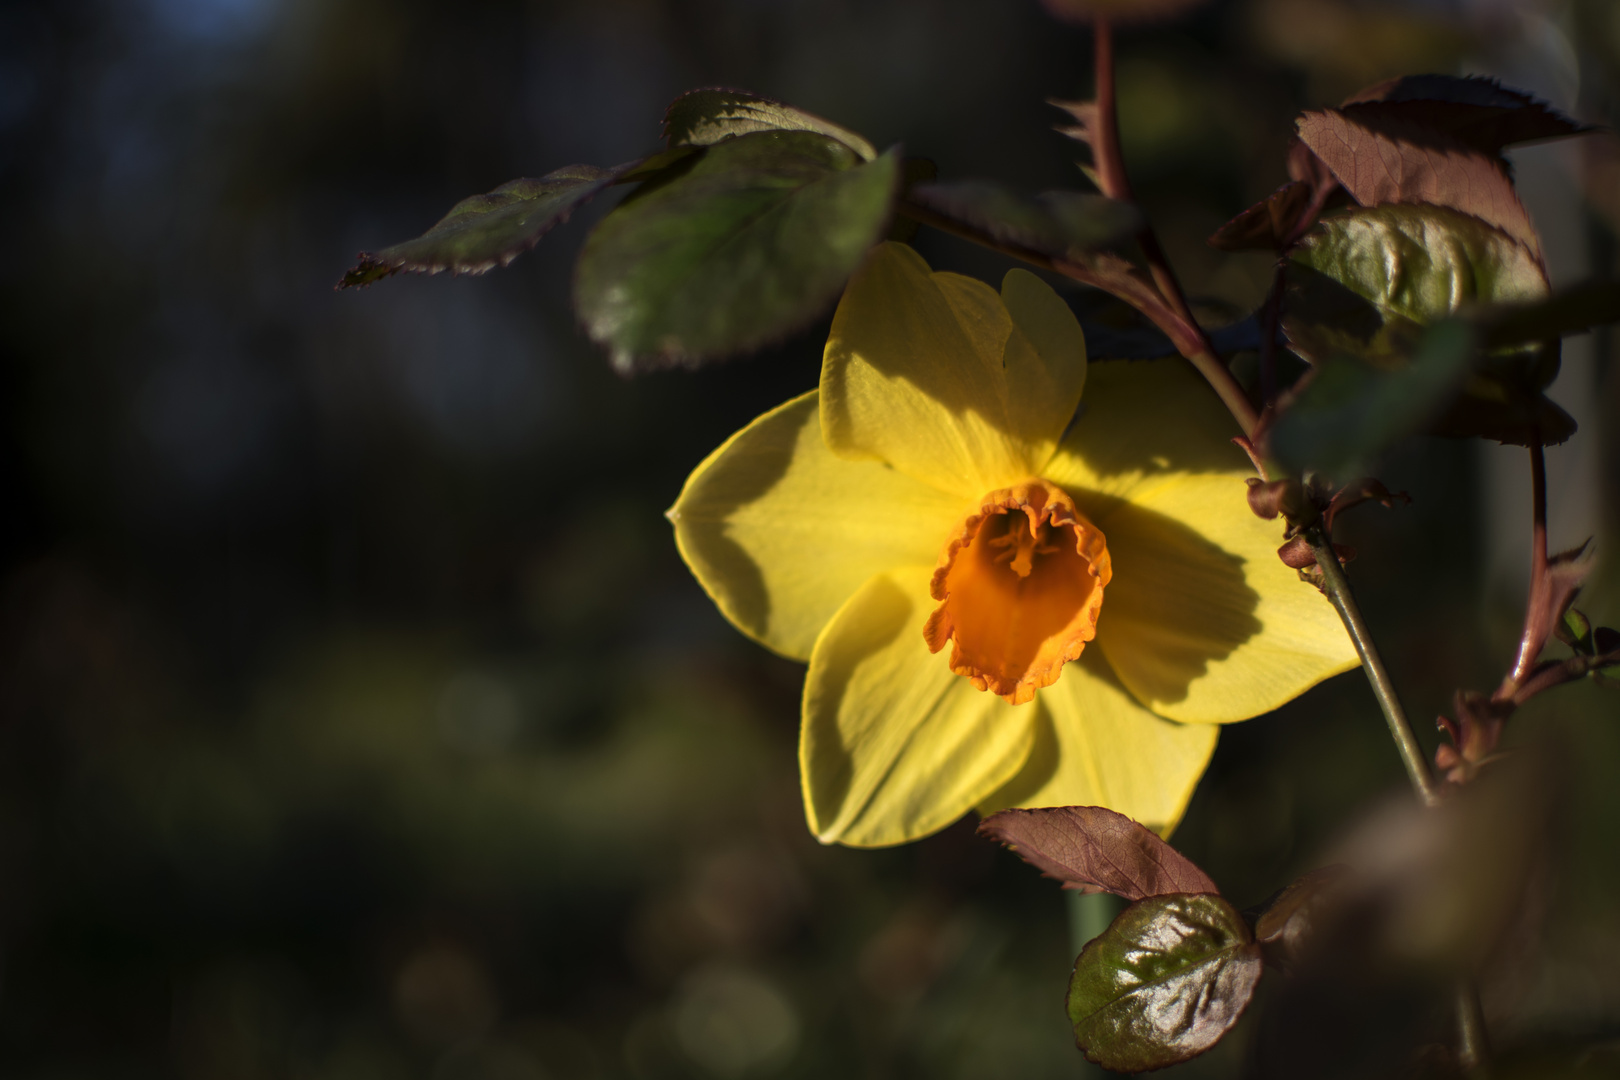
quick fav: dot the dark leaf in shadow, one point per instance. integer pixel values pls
(747, 246)
(485, 231)
(1478, 111)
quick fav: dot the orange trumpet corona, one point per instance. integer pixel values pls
(1020, 586)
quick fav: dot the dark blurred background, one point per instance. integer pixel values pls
(357, 718)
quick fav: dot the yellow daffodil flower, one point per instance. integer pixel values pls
(932, 533)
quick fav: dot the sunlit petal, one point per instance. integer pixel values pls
(780, 532)
(894, 746)
(946, 380)
(1210, 626)
(1095, 746)
(1141, 423)
(1202, 621)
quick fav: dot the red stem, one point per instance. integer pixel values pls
(1180, 325)
(1530, 644)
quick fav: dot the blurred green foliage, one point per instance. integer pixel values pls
(357, 719)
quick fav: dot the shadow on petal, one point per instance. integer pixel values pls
(886, 612)
(725, 564)
(1177, 603)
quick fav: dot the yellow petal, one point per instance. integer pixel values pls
(944, 379)
(1202, 621)
(780, 532)
(1143, 422)
(894, 746)
(1095, 746)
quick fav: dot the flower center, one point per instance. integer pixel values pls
(1020, 586)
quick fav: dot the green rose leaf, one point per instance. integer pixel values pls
(1421, 263)
(1365, 282)
(1058, 224)
(750, 243)
(1351, 411)
(486, 231)
(705, 117)
(1164, 983)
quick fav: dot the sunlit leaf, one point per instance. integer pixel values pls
(1365, 282)
(1057, 224)
(704, 117)
(1422, 263)
(1164, 983)
(749, 244)
(1092, 849)
(1382, 159)
(486, 231)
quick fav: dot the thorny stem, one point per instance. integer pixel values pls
(1472, 1050)
(1529, 648)
(1166, 305)
(1337, 587)
(1189, 337)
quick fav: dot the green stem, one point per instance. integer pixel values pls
(1337, 587)
(1473, 1048)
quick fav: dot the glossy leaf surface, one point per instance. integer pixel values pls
(1420, 263)
(1093, 849)
(704, 117)
(1164, 983)
(1365, 282)
(1060, 224)
(1403, 162)
(485, 231)
(749, 244)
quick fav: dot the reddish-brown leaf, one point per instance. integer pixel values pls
(1478, 111)
(1403, 162)
(1282, 217)
(1091, 849)
(1267, 224)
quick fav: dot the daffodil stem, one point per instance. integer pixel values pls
(1337, 587)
